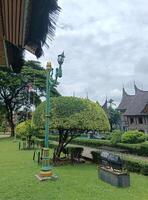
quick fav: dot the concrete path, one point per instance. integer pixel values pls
(4, 136)
(87, 153)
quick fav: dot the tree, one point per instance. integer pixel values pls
(112, 114)
(14, 89)
(114, 118)
(71, 116)
(3, 124)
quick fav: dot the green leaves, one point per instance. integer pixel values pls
(72, 113)
(23, 129)
(133, 137)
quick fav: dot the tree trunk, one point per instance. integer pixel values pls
(12, 126)
(59, 149)
(10, 120)
(12, 130)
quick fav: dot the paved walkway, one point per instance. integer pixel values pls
(87, 152)
(4, 136)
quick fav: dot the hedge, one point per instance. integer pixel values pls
(138, 149)
(132, 165)
(133, 137)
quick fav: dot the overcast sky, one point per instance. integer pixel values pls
(106, 47)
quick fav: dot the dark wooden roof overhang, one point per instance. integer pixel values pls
(13, 18)
(17, 24)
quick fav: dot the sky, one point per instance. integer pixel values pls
(106, 47)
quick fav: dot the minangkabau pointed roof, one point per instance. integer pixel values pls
(126, 99)
(105, 105)
(134, 104)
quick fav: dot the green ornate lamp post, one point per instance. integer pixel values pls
(46, 170)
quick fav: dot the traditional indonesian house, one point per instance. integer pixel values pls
(134, 110)
(25, 24)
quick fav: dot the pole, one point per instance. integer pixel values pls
(47, 110)
(46, 168)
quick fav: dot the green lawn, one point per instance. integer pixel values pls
(78, 182)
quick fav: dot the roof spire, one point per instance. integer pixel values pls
(136, 88)
(105, 106)
(124, 93)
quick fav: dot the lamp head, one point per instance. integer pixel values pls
(61, 58)
(48, 66)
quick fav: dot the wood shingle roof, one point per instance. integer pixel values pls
(134, 104)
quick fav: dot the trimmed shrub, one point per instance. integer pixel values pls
(133, 137)
(91, 142)
(133, 166)
(24, 129)
(146, 137)
(95, 156)
(138, 149)
(144, 170)
(72, 113)
(116, 137)
(74, 150)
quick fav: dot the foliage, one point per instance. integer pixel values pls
(116, 137)
(3, 123)
(138, 149)
(74, 151)
(114, 117)
(133, 137)
(25, 129)
(96, 156)
(85, 141)
(71, 113)
(14, 89)
(71, 116)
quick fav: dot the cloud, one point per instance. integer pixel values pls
(106, 45)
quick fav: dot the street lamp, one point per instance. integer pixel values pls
(46, 170)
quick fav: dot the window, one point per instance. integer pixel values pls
(131, 120)
(140, 120)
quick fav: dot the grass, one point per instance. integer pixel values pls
(78, 182)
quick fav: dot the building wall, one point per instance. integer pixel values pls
(134, 122)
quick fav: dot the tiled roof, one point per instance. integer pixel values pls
(134, 104)
(125, 101)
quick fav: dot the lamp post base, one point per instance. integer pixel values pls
(46, 170)
(44, 178)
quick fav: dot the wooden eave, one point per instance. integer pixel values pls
(13, 23)
(15, 26)
(2, 51)
(12, 12)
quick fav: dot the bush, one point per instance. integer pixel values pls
(144, 170)
(95, 156)
(133, 137)
(146, 137)
(139, 149)
(116, 137)
(25, 129)
(91, 142)
(72, 113)
(74, 150)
